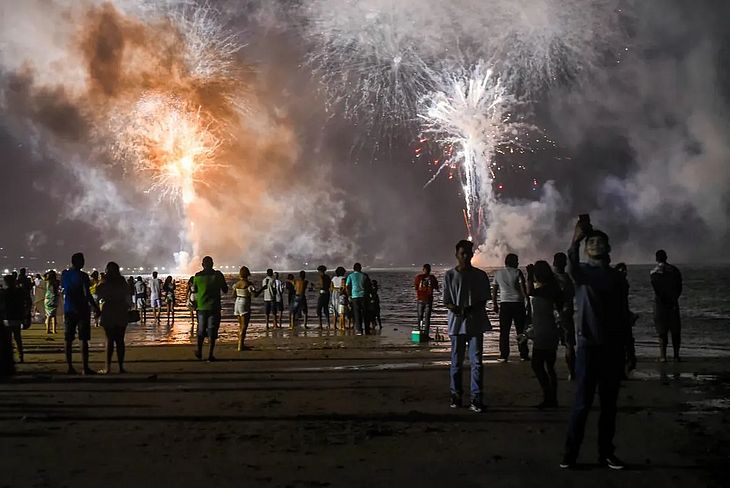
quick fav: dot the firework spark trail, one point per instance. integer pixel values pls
(472, 113)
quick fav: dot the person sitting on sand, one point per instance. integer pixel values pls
(77, 305)
(116, 303)
(244, 290)
(546, 298)
(666, 280)
(465, 295)
(603, 329)
(208, 284)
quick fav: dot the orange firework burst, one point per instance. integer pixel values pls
(168, 142)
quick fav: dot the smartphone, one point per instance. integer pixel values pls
(585, 222)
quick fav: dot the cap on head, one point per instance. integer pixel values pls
(207, 262)
(661, 256)
(77, 260)
(511, 260)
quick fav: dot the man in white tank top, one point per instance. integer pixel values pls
(508, 297)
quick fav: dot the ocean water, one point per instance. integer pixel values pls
(705, 314)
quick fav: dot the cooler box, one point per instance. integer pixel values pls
(418, 336)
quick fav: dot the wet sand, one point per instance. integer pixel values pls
(314, 411)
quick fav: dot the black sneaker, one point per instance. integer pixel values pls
(455, 401)
(476, 407)
(568, 462)
(612, 462)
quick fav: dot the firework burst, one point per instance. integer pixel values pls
(169, 143)
(472, 113)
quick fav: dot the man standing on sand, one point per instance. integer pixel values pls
(268, 287)
(323, 300)
(466, 291)
(509, 285)
(425, 284)
(208, 285)
(667, 283)
(565, 315)
(300, 300)
(603, 329)
(356, 284)
(156, 296)
(77, 305)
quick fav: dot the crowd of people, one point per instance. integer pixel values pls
(582, 305)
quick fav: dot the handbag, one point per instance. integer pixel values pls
(133, 316)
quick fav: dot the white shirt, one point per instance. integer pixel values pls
(510, 291)
(337, 282)
(155, 286)
(268, 286)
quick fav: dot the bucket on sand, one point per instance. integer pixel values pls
(418, 336)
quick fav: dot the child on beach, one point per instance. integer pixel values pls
(546, 298)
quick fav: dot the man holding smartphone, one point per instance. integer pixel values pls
(603, 329)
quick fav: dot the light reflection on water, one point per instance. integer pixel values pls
(706, 315)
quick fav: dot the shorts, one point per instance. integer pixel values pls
(141, 302)
(300, 305)
(208, 323)
(156, 303)
(242, 306)
(667, 319)
(323, 304)
(74, 321)
(270, 307)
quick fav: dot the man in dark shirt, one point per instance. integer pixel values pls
(602, 328)
(77, 304)
(208, 284)
(667, 283)
(323, 300)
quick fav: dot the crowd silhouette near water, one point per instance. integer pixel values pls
(582, 306)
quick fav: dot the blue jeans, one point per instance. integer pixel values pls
(208, 323)
(424, 316)
(602, 367)
(476, 348)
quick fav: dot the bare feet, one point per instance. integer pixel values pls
(102, 371)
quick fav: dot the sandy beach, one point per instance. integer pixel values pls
(351, 411)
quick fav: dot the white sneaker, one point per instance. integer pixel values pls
(502, 360)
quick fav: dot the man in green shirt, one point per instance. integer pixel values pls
(208, 285)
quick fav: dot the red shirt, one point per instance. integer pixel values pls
(425, 285)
